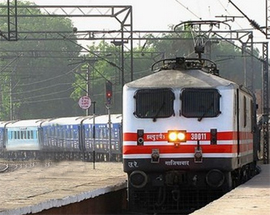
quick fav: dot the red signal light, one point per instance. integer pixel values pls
(108, 91)
(109, 94)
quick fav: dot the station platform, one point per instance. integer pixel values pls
(52, 185)
(251, 198)
(42, 188)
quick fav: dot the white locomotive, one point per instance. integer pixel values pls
(186, 129)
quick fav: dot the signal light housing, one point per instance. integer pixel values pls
(176, 136)
(108, 92)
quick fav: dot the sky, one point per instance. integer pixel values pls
(160, 14)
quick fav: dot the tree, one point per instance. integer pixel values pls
(103, 64)
(102, 58)
(36, 78)
(228, 57)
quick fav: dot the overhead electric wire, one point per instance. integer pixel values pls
(11, 62)
(39, 89)
(178, 1)
(44, 81)
(91, 52)
(49, 79)
(43, 95)
(41, 81)
(57, 99)
(227, 11)
(44, 100)
(194, 14)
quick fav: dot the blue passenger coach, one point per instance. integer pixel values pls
(2, 136)
(22, 138)
(66, 138)
(102, 141)
(62, 135)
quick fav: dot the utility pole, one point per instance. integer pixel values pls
(109, 93)
(110, 132)
(87, 87)
(265, 122)
(94, 135)
(267, 21)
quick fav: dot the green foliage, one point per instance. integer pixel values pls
(229, 58)
(104, 63)
(36, 79)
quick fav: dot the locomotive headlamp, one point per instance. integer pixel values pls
(176, 136)
(181, 136)
(172, 136)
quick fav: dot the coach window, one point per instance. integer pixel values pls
(87, 132)
(90, 132)
(154, 103)
(64, 132)
(53, 131)
(73, 133)
(200, 103)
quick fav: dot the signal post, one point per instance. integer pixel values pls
(108, 103)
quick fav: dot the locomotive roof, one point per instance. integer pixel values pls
(180, 78)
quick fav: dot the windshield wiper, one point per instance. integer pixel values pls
(205, 112)
(160, 108)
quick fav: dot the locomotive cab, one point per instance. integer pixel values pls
(184, 128)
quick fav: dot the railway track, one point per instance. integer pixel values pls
(11, 166)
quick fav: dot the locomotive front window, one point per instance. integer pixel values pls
(200, 103)
(154, 103)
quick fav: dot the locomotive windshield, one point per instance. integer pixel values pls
(200, 103)
(154, 103)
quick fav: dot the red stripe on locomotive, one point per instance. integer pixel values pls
(229, 135)
(185, 147)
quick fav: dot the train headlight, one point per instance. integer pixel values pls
(172, 136)
(176, 136)
(181, 136)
